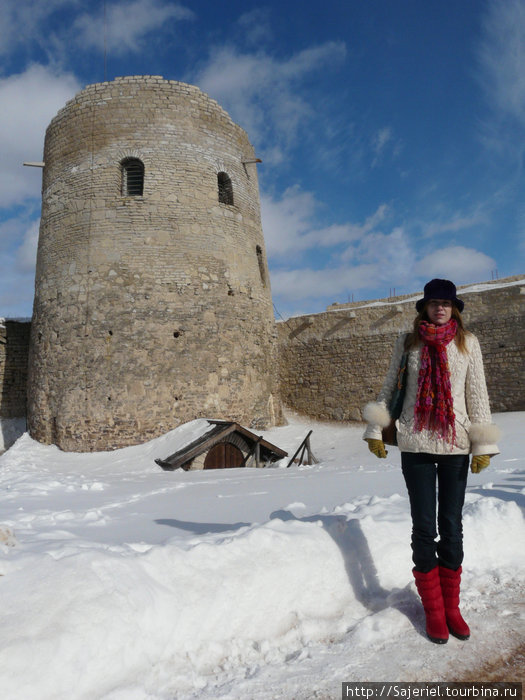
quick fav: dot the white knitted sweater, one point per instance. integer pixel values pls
(475, 431)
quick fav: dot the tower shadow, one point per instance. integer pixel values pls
(361, 569)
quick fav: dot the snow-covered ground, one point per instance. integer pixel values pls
(124, 582)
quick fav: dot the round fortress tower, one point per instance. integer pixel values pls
(152, 295)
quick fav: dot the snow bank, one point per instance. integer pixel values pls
(130, 615)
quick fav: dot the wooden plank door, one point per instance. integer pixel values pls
(223, 455)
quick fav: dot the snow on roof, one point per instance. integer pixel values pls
(396, 301)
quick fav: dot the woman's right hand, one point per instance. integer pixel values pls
(479, 462)
(377, 447)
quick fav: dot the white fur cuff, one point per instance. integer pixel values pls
(485, 433)
(376, 414)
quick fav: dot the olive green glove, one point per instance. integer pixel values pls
(479, 462)
(377, 447)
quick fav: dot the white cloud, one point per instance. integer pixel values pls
(263, 94)
(502, 56)
(313, 58)
(18, 240)
(330, 283)
(362, 257)
(520, 232)
(381, 138)
(28, 101)
(382, 264)
(365, 261)
(384, 144)
(22, 21)
(460, 264)
(501, 74)
(286, 221)
(16, 294)
(26, 253)
(457, 222)
(289, 224)
(379, 142)
(34, 23)
(393, 253)
(255, 25)
(127, 24)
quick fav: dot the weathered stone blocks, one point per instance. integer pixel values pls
(333, 363)
(142, 303)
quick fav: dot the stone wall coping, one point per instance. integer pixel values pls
(413, 297)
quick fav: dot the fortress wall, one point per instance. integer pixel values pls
(332, 363)
(14, 347)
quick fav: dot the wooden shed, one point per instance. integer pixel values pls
(223, 445)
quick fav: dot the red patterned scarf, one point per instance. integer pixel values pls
(434, 408)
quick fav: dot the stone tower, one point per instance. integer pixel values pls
(152, 296)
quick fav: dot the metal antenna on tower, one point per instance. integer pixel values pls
(105, 46)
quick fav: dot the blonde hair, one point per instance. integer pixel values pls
(412, 340)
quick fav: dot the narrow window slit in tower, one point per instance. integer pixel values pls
(132, 177)
(224, 184)
(260, 260)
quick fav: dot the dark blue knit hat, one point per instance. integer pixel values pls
(440, 289)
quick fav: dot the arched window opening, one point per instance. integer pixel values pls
(132, 177)
(225, 188)
(260, 260)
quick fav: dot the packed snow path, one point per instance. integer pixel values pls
(124, 582)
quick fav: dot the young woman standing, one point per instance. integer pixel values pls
(445, 417)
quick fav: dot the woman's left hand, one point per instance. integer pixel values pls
(479, 462)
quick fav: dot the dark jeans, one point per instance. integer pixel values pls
(420, 471)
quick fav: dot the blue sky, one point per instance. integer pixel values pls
(392, 132)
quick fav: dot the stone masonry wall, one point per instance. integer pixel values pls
(332, 363)
(149, 310)
(14, 347)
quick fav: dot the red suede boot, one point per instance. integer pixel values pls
(450, 581)
(429, 588)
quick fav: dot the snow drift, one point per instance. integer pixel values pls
(123, 581)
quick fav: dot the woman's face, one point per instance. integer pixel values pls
(439, 311)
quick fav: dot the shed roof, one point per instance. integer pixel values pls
(218, 431)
